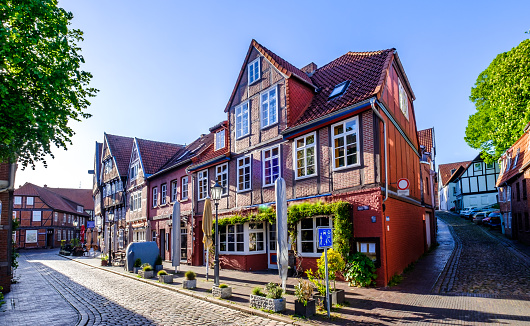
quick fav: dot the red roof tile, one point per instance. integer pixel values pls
(523, 159)
(426, 138)
(364, 70)
(50, 198)
(81, 196)
(445, 170)
(155, 154)
(120, 147)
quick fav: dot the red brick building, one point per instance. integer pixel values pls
(513, 187)
(7, 177)
(46, 217)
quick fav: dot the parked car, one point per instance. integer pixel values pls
(478, 217)
(452, 209)
(492, 220)
(469, 214)
(464, 211)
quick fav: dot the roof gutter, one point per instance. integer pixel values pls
(209, 163)
(167, 169)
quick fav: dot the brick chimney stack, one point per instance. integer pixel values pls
(310, 69)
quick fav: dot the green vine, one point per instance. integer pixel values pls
(340, 212)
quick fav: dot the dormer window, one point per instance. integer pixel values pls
(453, 171)
(253, 71)
(339, 89)
(219, 139)
(515, 159)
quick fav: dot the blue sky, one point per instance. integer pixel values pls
(165, 69)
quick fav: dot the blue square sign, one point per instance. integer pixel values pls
(325, 239)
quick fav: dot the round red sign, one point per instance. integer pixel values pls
(403, 184)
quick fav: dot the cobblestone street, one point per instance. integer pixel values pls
(484, 264)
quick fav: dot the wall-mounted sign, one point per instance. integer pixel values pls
(403, 187)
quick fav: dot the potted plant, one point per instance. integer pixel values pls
(273, 300)
(164, 277)
(336, 265)
(223, 291)
(104, 260)
(190, 282)
(158, 263)
(304, 305)
(146, 271)
(137, 265)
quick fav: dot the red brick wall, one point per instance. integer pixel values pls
(5, 220)
(244, 262)
(520, 206)
(298, 99)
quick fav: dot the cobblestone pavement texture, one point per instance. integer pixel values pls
(485, 264)
(115, 298)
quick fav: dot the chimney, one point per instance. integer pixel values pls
(45, 186)
(310, 69)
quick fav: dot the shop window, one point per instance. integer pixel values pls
(232, 238)
(307, 231)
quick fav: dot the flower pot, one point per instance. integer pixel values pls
(136, 269)
(321, 299)
(158, 268)
(165, 278)
(337, 297)
(103, 263)
(307, 310)
(189, 284)
(146, 274)
(222, 293)
(275, 305)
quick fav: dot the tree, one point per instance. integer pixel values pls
(502, 98)
(42, 86)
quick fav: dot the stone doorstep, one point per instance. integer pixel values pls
(196, 295)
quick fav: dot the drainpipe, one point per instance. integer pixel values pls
(11, 181)
(372, 101)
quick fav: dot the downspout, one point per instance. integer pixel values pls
(192, 217)
(11, 181)
(372, 101)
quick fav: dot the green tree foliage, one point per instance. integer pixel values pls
(41, 84)
(502, 98)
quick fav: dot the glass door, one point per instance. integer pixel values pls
(271, 246)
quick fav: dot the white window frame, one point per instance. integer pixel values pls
(184, 188)
(163, 194)
(515, 159)
(225, 242)
(403, 100)
(271, 158)
(255, 231)
(220, 139)
(155, 196)
(30, 201)
(55, 217)
(18, 200)
(221, 176)
(304, 149)
(316, 252)
(202, 184)
(246, 239)
(256, 66)
(344, 135)
(240, 113)
(33, 233)
(36, 216)
(368, 248)
(241, 172)
(174, 191)
(266, 93)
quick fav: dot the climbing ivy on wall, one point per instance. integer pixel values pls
(340, 211)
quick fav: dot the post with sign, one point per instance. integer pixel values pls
(325, 241)
(403, 187)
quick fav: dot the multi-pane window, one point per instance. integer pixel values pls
(155, 196)
(307, 234)
(243, 173)
(184, 188)
(345, 143)
(29, 201)
(203, 184)
(136, 201)
(403, 101)
(55, 216)
(269, 107)
(36, 216)
(163, 193)
(18, 200)
(134, 171)
(221, 175)
(253, 71)
(219, 139)
(271, 165)
(368, 248)
(256, 237)
(242, 120)
(305, 156)
(174, 191)
(515, 159)
(232, 238)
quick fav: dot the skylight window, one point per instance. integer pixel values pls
(339, 89)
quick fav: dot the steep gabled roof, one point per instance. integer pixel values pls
(282, 65)
(523, 159)
(426, 138)
(208, 156)
(445, 171)
(155, 154)
(50, 198)
(365, 72)
(81, 196)
(120, 147)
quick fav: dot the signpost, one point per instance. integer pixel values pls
(325, 241)
(403, 187)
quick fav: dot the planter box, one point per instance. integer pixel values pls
(222, 293)
(189, 284)
(336, 296)
(158, 268)
(103, 263)
(146, 274)
(165, 278)
(306, 311)
(275, 305)
(136, 270)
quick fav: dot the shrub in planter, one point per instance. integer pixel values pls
(164, 277)
(158, 263)
(104, 260)
(190, 282)
(146, 271)
(360, 270)
(335, 265)
(223, 291)
(304, 305)
(272, 301)
(137, 265)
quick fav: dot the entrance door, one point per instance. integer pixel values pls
(183, 242)
(49, 238)
(271, 246)
(163, 244)
(428, 229)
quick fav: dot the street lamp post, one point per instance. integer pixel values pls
(217, 189)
